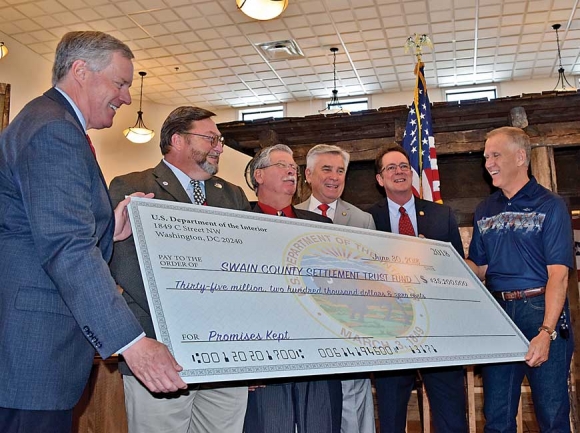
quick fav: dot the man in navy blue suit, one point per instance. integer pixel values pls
(58, 301)
(401, 212)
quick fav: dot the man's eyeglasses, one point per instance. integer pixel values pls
(213, 139)
(285, 166)
(391, 168)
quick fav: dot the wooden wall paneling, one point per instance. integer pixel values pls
(101, 408)
(4, 105)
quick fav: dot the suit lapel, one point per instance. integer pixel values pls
(57, 97)
(341, 214)
(214, 192)
(421, 217)
(384, 221)
(169, 183)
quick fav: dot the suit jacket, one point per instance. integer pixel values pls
(58, 301)
(347, 215)
(434, 221)
(302, 214)
(161, 181)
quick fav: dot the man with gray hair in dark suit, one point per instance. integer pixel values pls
(58, 301)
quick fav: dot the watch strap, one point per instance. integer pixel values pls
(551, 332)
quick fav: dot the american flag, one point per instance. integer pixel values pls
(420, 144)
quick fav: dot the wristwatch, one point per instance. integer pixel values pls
(551, 332)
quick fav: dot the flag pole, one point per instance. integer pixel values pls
(416, 43)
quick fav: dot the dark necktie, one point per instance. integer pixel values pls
(405, 225)
(198, 197)
(323, 208)
(91, 145)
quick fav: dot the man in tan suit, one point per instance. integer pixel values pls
(325, 172)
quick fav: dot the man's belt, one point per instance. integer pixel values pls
(519, 294)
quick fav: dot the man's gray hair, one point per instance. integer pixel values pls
(95, 48)
(517, 136)
(321, 149)
(262, 160)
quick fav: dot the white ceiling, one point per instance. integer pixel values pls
(201, 52)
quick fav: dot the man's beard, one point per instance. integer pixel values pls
(209, 168)
(204, 164)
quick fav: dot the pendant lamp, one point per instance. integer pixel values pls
(562, 81)
(262, 10)
(139, 133)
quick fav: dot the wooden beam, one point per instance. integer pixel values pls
(544, 167)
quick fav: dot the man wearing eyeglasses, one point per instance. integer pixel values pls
(400, 212)
(191, 145)
(326, 167)
(310, 406)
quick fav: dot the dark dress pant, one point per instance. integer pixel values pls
(445, 388)
(310, 406)
(35, 421)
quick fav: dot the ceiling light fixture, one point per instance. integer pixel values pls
(334, 106)
(139, 133)
(562, 81)
(262, 10)
(3, 50)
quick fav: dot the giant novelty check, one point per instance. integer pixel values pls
(238, 295)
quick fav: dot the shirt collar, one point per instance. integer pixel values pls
(529, 190)
(183, 178)
(314, 203)
(409, 206)
(75, 108)
(288, 211)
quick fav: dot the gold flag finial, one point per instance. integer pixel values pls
(417, 42)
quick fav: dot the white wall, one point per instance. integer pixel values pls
(29, 75)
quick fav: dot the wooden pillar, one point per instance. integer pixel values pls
(4, 105)
(544, 170)
(544, 167)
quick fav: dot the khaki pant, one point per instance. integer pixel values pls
(198, 409)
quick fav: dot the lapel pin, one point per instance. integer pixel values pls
(218, 185)
(165, 183)
(344, 214)
(421, 213)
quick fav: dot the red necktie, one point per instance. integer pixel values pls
(405, 225)
(92, 147)
(323, 208)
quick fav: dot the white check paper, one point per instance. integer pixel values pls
(238, 295)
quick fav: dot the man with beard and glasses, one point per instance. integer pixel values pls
(312, 405)
(191, 145)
